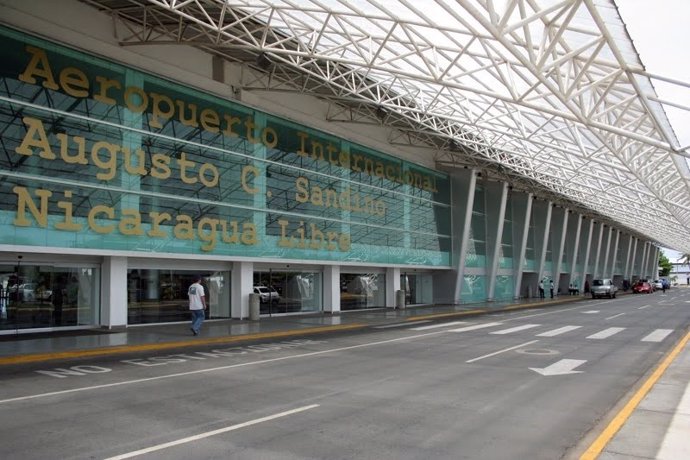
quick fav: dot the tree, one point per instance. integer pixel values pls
(665, 265)
(685, 259)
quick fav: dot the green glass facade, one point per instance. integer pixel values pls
(97, 155)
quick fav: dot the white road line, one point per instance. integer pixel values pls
(435, 326)
(559, 331)
(197, 437)
(501, 351)
(402, 324)
(643, 307)
(657, 336)
(475, 327)
(606, 333)
(615, 316)
(215, 369)
(590, 312)
(516, 329)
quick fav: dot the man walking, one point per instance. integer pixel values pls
(197, 304)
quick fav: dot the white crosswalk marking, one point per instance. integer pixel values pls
(606, 333)
(516, 329)
(475, 327)
(559, 331)
(434, 326)
(658, 335)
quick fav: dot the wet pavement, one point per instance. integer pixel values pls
(653, 422)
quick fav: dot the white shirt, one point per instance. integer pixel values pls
(196, 292)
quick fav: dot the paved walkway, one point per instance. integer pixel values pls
(653, 423)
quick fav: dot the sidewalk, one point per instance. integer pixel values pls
(653, 424)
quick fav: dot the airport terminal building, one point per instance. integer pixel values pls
(128, 170)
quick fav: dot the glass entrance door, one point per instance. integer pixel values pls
(41, 296)
(418, 288)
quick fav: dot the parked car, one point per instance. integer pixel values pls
(658, 285)
(266, 294)
(603, 288)
(30, 292)
(642, 287)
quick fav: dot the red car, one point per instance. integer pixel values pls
(642, 287)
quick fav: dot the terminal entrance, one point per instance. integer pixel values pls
(284, 291)
(46, 296)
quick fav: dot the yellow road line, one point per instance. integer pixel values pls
(445, 315)
(32, 358)
(603, 439)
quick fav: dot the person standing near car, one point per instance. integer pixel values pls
(197, 304)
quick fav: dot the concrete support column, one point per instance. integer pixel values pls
(626, 270)
(576, 249)
(499, 238)
(242, 284)
(114, 292)
(588, 249)
(643, 264)
(331, 288)
(615, 254)
(523, 246)
(595, 272)
(559, 256)
(633, 260)
(545, 239)
(465, 236)
(609, 239)
(392, 285)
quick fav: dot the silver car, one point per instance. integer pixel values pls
(603, 288)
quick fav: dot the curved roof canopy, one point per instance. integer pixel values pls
(550, 94)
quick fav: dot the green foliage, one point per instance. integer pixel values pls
(664, 265)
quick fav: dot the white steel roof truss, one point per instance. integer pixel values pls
(545, 81)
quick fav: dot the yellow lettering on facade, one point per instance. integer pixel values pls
(207, 233)
(160, 166)
(191, 119)
(38, 66)
(210, 121)
(104, 85)
(110, 164)
(184, 229)
(138, 166)
(74, 82)
(35, 137)
(157, 218)
(231, 121)
(25, 200)
(248, 170)
(130, 223)
(95, 211)
(136, 99)
(249, 237)
(68, 224)
(78, 158)
(184, 164)
(157, 111)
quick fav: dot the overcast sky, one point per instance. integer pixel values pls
(661, 35)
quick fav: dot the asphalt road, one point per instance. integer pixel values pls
(522, 385)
